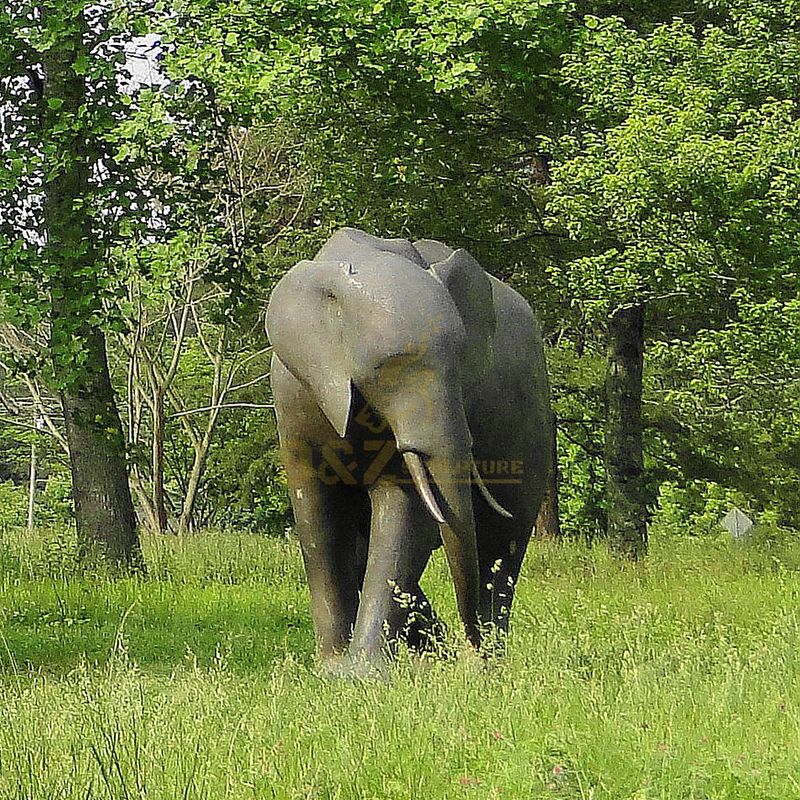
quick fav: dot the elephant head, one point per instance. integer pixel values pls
(411, 337)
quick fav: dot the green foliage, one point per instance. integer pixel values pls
(695, 508)
(671, 135)
(577, 404)
(417, 118)
(679, 189)
(53, 502)
(64, 146)
(683, 188)
(735, 392)
(13, 504)
(244, 485)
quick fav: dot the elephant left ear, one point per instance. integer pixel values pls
(471, 290)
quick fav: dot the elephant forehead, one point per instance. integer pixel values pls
(394, 284)
(356, 246)
(386, 305)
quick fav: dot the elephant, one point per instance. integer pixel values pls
(412, 406)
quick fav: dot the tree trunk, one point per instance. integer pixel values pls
(624, 462)
(103, 506)
(195, 476)
(143, 501)
(104, 513)
(548, 522)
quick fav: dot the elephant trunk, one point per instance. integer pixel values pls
(431, 430)
(450, 482)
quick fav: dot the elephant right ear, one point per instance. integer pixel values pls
(433, 251)
(470, 287)
(304, 328)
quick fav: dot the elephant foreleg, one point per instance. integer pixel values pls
(392, 606)
(331, 515)
(331, 524)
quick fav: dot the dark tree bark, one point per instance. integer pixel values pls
(104, 513)
(548, 522)
(624, 461)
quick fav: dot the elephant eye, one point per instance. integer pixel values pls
(393, 366)
(392, 360)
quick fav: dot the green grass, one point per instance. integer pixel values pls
(678, 680)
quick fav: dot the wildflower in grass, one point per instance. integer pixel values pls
(467, 781)
(558, 771)
(497, 736)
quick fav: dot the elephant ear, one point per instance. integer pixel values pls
(471, 290)
(432, 251)
(304, 328)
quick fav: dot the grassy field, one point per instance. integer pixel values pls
(677, 680)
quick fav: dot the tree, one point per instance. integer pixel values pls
(193, 341)
(679, 192)
(187, 363)
(66, 105)
(417, 117)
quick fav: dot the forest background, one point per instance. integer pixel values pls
(632, 168)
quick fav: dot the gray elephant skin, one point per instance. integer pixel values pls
(413, 410)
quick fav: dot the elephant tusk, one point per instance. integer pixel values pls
(423, 485)
(487, 495)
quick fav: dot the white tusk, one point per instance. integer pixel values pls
(420, 477)
(487, 495)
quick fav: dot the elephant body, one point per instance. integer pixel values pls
(413, 410)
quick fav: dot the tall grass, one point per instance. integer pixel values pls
(678, 680)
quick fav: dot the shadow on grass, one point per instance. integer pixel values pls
(54, 626)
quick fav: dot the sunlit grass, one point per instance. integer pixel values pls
(678, 680)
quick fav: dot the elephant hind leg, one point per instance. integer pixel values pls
(501, 549)
(424, 631)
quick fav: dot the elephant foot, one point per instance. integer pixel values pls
(329, 666)
(355, 667)
(423, 632)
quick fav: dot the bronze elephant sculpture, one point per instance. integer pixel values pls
(413, 410)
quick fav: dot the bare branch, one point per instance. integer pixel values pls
(221, 406)
(248, 383)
